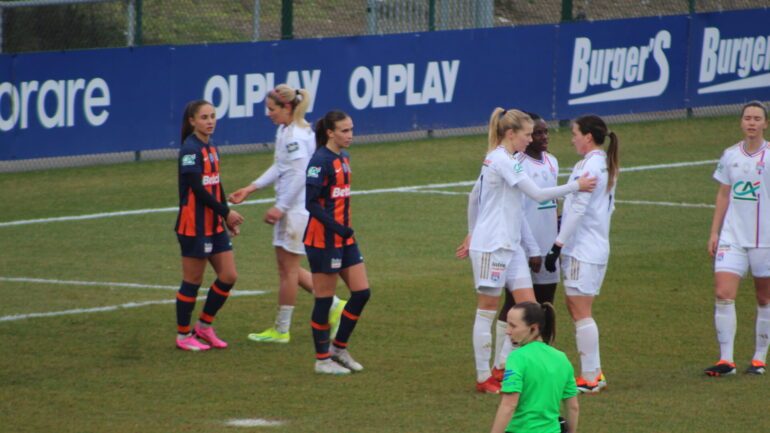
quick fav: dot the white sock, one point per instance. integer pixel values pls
(335, 303)
(504, 352)
(587, 339)
(762, 333)
(283, 320)
(482, 342)
(500, 338)
(725, 323)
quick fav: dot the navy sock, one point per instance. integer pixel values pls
(217, 296)
(350, 316)
(185, 304)
(320, 325)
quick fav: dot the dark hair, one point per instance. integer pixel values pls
(328, 122)
(534, 116)
(190, 110)
(543, 315)
(754, 104)
(591, 123)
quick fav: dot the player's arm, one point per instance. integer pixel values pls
(473, 210)
(530, 188)
(505, 411)
(295, 181)
(722, 202)
(196, 184)
(572, 411)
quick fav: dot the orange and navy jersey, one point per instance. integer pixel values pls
(328, 199)
(199, 162)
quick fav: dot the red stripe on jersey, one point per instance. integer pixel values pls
(315, 234)
(187, 216)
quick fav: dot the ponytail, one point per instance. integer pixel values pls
(543, 315)
(594, 125)
(327, 123)
(502, 120)
(299, 100)
(190, 110)
(613, 161)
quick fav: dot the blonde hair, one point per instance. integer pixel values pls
(503, 120)
(299, 100)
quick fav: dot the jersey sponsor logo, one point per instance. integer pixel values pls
(336, 263)
(210, 180)
(744, 61)
(720, 168)
(622, 68)
(548, 204)
(745, 190)
(313, 171)
(188, 160)
(341, 191)
(292, 147)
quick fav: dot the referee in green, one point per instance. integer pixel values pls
(538, 379)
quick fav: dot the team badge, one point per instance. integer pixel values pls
(336, 263)
(208, 247)
(760, 167)
(313, 171)
(188, 160)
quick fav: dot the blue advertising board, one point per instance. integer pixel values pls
(621, 66)
(730, 60)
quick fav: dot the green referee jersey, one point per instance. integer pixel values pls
(543, 377)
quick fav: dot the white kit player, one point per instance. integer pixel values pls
(584, 243)
(494, 240)
(740, 238)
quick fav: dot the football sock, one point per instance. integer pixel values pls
(283, 320)
(762, 333)
(335, 302)
(482, 342)
(500, 337)
(185, 304)
(217, 296)
(350, 315)
(504, 352)
(587, 339)
(319, 323)
(725, 323)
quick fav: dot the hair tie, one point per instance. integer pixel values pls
(504, 111)
(278, 95)
(298, 95)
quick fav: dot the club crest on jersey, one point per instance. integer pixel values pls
(313, 171)
(745, 190)
(345, 167)
(208, 247)
(336, 263)
(212, 157)
(188, 160)
(760, 167)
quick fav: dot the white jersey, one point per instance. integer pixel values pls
(294, 145)
(585, 230)
(747, 221)
(541, 216)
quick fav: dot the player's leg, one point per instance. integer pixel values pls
(545, 292)
(193, 269)
(501, 339)
(519, 282)
(224, 266)
(730, 265)
(288, 277)
(759, 258)
(324, 285)
(357, 281)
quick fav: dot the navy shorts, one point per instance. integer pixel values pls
(202, 247)
(333, 260)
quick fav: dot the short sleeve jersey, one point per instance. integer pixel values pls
(541, 217)
(292, 142)
(591, 240)
(195, 218)
(747, 221)
(498, 224)
(543, 376)
(331, 173)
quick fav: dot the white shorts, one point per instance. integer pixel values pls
(492, 271)
(545, 277)
(289, 230)
(582, 278)
(738, 260)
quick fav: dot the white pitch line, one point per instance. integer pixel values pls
(366, 192)
(88, 283)
(113, 307)
(666, 203)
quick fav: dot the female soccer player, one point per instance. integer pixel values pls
(494, 223)
(584, 234)
(331, 248)
(541, 221)
(740, 238)
(200, 228)
(294, 144)
(537, 377)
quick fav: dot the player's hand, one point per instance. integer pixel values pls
(552, 257)
(713, 245)
(233, 219)
(241, 194)
(273, 215)
(585, 183)
(233, 231)
(346, 232)
(535, 263)
(462, 251)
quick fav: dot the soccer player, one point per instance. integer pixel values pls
(331, 248)
(200, 228)
(538, 378)
(740, 238)
(294, 144)
(494, 226)
(541, 220)
(584, 236)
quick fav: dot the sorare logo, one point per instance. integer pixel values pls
(734, 63)
(619, 73)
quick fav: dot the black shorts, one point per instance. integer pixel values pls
(202, 247)
(333, 260)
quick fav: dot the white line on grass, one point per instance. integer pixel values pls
(113, 307)
(88, 283)
(253, 422)
(665, 203)
(371, 191)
